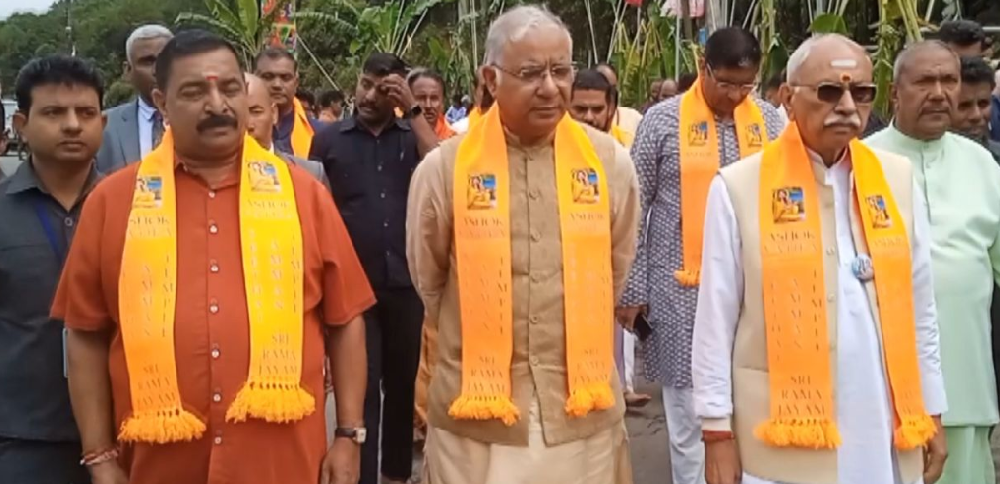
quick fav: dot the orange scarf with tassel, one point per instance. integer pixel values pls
(802, 406)
(271, 244)
(481, 201)
(699, 159)
(302, 131)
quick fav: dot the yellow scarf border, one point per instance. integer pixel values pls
(802, 405)
(302, 131)
(481, 201)
(271, 245)
(699, 159)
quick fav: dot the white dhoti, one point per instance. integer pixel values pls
(600, 459)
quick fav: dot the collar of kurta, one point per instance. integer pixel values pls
(906, 142)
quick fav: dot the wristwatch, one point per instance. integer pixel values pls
(414, 112)
(358, 434)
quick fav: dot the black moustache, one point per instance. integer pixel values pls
(216, 122)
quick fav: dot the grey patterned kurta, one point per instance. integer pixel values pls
(656, 154)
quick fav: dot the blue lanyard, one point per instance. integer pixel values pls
(55, 241)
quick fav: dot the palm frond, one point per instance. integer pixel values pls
(223, 27)
(325, 19)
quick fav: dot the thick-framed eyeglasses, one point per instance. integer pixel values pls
(535, 75)
(832, 92)
(730, 86)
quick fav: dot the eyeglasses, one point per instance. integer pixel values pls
(832, 93)
(730, 86)
(535, 75)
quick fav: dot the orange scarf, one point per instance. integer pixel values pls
(474, 116)
(699, 149)
(271, 244)
(481, 201)
(442, 129)
(802, 406)
(302, 131)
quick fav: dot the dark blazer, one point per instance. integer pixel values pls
(121, 138)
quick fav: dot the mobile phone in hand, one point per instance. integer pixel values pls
(642, 327)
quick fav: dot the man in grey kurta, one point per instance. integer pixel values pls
(732, 59)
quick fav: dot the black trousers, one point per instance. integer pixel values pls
(392, 330)
(38, 462)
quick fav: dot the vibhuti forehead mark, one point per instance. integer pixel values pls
(844, 63)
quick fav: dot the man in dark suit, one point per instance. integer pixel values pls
(133, 129)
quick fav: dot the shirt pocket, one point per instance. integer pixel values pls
(29, 274)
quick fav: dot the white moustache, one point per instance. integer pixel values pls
(853, 121)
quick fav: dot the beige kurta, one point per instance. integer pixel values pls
(538, 369)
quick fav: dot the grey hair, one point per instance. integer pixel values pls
(904, 57)
(798, 58)
(512, 26)
(146, 32)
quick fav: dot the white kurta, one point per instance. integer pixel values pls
(866, 453)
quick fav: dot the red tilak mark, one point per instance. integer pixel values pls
(212, 78)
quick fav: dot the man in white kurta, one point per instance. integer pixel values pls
(863, 407)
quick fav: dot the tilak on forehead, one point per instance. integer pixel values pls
(844, 64)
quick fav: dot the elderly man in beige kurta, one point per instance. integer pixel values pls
(529, 72)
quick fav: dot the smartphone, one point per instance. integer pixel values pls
(642, 328)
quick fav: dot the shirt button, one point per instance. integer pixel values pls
(382, 195)
(535, 277)
(216, 353)
(533, 319)
(213, 266)
(379, 168)
(534, 194)
(535, 236)
(385, 224)
(218, 440)
(213, 307)
(534, 360)
(830, 251)
(68, 221)
(211, 194)
(830, 297)
(216, 397)
(212, 228)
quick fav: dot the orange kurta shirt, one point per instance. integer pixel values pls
(212, 337)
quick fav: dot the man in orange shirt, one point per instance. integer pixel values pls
(205, 287)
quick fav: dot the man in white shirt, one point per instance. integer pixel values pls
(133, 129)
(805, 371)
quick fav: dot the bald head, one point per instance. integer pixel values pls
(263, 112)
(828, 55)
(915, 53)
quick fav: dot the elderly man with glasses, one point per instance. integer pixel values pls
(520, 237)
(815, 355)
(960, 180)
(681, 144)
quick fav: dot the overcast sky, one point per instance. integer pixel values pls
(8, 7)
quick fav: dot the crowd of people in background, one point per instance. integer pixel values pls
(233, 279)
